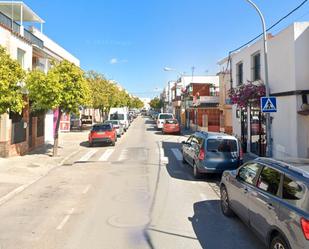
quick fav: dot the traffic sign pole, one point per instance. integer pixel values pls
(268, 122)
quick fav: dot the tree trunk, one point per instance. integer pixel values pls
(56, 137)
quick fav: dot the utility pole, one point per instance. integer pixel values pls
(268, 121)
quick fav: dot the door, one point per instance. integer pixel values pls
(186, 148)
(194, 149)
(241, 187)
(264, 201)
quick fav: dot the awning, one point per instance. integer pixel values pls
(19, 11)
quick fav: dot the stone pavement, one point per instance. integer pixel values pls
(17, 173)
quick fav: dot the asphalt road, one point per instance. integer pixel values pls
(136, 195)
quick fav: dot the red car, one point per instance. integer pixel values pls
(171, 126)
(102, 133)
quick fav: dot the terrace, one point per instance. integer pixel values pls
(13, 16)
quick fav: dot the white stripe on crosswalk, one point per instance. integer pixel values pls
(123, 155)
(105, 156)
(177, 154)
(87, 156)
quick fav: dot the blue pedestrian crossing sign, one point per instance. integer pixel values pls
(269, 104)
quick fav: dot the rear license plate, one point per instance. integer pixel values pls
(101, 133)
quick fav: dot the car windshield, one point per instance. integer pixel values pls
(221, 145)
(165, 116)
(117, 116)
(103, 127)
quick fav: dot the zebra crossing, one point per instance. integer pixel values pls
(97, 155)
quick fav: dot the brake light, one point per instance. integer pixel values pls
(305, 227)
(241, 153)
(201, 155)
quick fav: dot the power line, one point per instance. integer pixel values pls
(252, 40)
(272, 26)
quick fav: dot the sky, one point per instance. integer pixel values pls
(131, 41)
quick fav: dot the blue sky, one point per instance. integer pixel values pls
(131, 41)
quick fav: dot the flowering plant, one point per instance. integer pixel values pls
(247, 94)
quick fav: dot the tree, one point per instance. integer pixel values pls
(100, 91)
(64, 87)
(156, 103)
(11, 73)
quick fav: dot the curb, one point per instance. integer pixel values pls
(21, 188)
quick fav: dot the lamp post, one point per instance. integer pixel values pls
(268, 122)
(169, 69)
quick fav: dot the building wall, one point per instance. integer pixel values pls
(288, 53)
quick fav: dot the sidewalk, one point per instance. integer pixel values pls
(17, 173)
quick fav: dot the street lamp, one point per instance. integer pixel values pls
(268, 123)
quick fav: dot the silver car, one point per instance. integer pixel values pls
(118, 125)
(272, 197)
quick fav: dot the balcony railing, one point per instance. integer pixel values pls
(33, 39)
(15, 27)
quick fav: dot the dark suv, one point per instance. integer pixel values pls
(211, 152)
(271, 196)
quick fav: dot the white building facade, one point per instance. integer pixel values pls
(288, 67)
(20, 133)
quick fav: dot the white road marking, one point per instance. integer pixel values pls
(177, 154)
(123, 155)
(164, 159)
(203, 196)
(86, 189)
(86, 157)
(65, 219)
(105, 156)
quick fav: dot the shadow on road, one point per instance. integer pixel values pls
(152, 129)
(179, 170)
(214, 230)
(86, 144)
(150, 121)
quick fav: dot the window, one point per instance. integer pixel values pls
(21, 57)
(165, 116)
(256, 61)
(269, 180)
(116, 116)
(292, 191)
(240, 70)
(248, 173)
(104, 127)
(221, 145)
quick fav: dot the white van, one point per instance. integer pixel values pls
(121, 114)
(161, 119)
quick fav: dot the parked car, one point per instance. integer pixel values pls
(171, 126)
(86, 121)
(102, 133)
(210, 152)
(161, 119)
(120, 114)
(272, 197)
(117, 125)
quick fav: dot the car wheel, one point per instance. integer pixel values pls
(278, 242)
(196, 173)
(225, 203)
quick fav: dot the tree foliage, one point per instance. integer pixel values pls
(44, 90)
(75, 90)
(156, 103)
(106, 94)
(11, 73)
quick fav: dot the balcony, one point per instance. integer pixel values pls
(15, 28)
